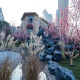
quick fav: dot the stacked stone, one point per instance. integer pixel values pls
(53, 53)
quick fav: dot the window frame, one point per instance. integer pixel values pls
(31, 17)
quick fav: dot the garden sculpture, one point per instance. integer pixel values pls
(72, 56)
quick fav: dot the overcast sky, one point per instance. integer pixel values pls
(14, 9)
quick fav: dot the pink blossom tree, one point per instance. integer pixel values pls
(69, 24)
(20, 34)
(64, 26)
(52, 31)
(74, 14)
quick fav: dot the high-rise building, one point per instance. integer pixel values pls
(62, 5)
(1, 15)
(47, 16)
(57, 17)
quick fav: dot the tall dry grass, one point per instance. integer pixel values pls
(62, 47)
(32, 68)
(5, 70)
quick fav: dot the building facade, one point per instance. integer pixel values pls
(62, 5)
(1, 15)
(31, 22)
(46, 16)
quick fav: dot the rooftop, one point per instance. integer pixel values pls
(32, 13)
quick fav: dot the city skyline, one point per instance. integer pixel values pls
(47, 16)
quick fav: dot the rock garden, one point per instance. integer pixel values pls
(51, 54)
(38, 57)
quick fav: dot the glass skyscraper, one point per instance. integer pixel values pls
(47, 16)
(62, 5)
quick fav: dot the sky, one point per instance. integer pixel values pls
(14, 9)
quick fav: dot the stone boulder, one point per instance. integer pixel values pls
(56, 40)
(48, 75)
(57, 47)
(57, 55)
(52, 67)
(48, 57)
(60, 73)
(70, 47)
(50, 43)
(64, 74)
(14, 58)
(50, 50)
(42, 56)
(44, 41)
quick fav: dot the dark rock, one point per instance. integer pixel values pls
(48, 75)
(56, 40)
(48, 37)
(66, 49)
(41, 32)
(50, 43)
(47, 46)
(52, 62)
(48, 57)
(57, 55)
(62, 73)
(70, 47)
(44, 41)
(57, 47)
(52, 67)
(42, 56)
(50, 50)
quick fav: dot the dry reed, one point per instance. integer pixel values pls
(5, 70)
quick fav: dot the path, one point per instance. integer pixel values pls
(17, 73)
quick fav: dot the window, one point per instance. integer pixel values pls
(30, 19)
(29, 31)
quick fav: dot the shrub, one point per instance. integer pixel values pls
(20, 34)
(7, 30)
(9, 43)
(3, 24)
